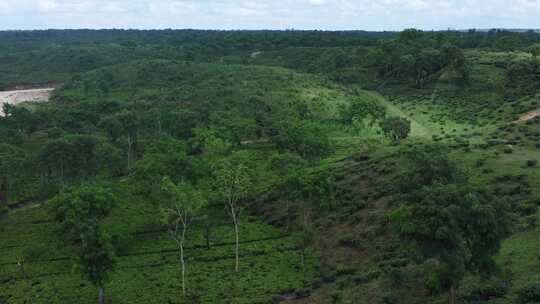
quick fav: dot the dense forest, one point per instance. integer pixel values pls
(294, 167)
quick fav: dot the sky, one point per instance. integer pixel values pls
(270, 14)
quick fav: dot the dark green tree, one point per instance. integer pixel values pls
(11, 161)
(507, 43)
(534, 50)
(396, 128)
(285, 166)
(457, 226)
(163, 157)
(309, 191)
(447, 220)
(4, 212)
(308, 139)
(55, 158)
(359, 112)
(70, 158)
(79, 213)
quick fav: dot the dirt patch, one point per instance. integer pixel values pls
(528, 116)
(19, 96)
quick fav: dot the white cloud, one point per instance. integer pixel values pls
(317, 2)
(279, 14)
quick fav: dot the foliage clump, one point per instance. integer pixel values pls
(452, 225)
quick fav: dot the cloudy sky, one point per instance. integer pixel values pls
(270, 14)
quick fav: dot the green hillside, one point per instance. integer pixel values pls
(386, 168)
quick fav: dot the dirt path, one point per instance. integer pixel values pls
(23, 206)
(528, 116)
(19, 96)
(417, 129)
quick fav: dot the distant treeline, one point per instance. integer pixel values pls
(252, 39)
(30, 57)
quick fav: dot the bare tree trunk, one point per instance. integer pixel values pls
(207, 235)
(129, 152)
(452, 295)
(62, 173)
(237, 249)
(304, 227)
(27, 280)
(5, 186)
(302, 260)
(288, 223)
(101, 297)
(183, 268)
(159, 126)
(182, 260)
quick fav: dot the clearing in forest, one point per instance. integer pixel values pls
(19, 96)
(417, 129)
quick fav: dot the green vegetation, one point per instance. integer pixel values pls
(271, 167)
(449, 222)
(78, 216)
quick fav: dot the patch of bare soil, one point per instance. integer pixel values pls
(528, 116)
(20, 96)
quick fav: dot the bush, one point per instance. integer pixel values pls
(389, 298)
(36, 253)
(527, 208)
(508, 150)
(342, 270)
(532, 163)
(529, 293)
(530, 222)
(485, 292)
(4, 210)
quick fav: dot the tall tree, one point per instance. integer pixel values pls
(458, 226)
(79, 215)
(446, 219)
(128, 122)
(11, 159)
(285, 166)
(309, 191)
(4, 211)
(233, 183)
(182, 204)
(359, 113)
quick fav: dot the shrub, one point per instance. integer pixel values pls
(527, 208)
(4, 211)
(389, 298)
(508, 150)
(530, 222)
(532, 163)
(485, 292)
(529, 293)
(480, 163)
